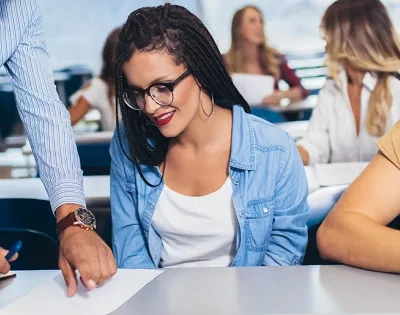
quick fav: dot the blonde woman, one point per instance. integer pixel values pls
(361, 100)
(250, 53)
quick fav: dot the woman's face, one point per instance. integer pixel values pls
(147, 68)
(252, 27)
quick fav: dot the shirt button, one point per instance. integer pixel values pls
(150, 206)
(241, 214)
(155, 257)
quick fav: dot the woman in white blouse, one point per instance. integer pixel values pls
(99, 93)
(361, 99)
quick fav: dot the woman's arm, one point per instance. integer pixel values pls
(296, 92)
(355, 231)
(78, 111)
(305, 157)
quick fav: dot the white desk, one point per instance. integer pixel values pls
(97, 188)
(25, 282)
(81, 138)
(247, 291)
(334, 174)
(307, 104)
(94, 137)
(267, 290)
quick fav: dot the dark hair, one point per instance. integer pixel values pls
(176, 30)
(107, 73)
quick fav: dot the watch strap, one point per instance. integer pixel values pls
(65, 222)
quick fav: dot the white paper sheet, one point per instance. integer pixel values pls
(51, 298)
(253, 87)
(338, 173)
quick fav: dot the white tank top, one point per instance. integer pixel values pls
(196, 231)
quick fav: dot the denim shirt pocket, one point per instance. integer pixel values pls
(258, 223)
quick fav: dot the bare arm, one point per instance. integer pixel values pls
(78, 111)
(304, 155)
(355, 231)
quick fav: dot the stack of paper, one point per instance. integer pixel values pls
(51, 298)
(253, 87)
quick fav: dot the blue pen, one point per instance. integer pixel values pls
(15, 248)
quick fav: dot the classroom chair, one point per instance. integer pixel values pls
(267, 114)
(321, 203)
(9, 116)
(78, 75)
(32, 222)
(95, 158)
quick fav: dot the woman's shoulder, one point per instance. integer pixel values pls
(268, 136)
(98, 82)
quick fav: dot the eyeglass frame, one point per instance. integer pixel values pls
(169, 85)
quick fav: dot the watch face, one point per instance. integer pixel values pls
(85, 217)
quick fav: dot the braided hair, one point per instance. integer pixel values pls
(174, 29)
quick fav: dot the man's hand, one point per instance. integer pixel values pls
(85, 251)
(4, 265)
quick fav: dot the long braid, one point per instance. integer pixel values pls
(176, 30)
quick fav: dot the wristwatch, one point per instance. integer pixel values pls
(81, 217)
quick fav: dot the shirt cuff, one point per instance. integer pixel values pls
(67, 191)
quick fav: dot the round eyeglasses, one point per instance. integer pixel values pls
(161, 93)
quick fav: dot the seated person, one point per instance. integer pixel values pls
(195, 179)
(250, 53)
(361, 100)
(99, 93)
(355, 231)
(4, 264)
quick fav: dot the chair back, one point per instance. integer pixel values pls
(321, 203)
(32, 222)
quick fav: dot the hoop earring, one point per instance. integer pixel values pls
(201, 103)
(147, 119)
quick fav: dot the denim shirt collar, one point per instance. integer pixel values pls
(243, 141)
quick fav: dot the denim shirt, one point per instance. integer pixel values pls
(269, 196)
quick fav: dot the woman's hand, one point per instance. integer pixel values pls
(274, 99)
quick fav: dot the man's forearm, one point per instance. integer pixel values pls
(45, 117)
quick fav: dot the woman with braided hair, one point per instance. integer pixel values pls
(195, 179)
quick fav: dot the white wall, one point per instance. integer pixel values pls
(76, 29)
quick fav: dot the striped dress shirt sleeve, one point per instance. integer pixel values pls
(47, 122)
